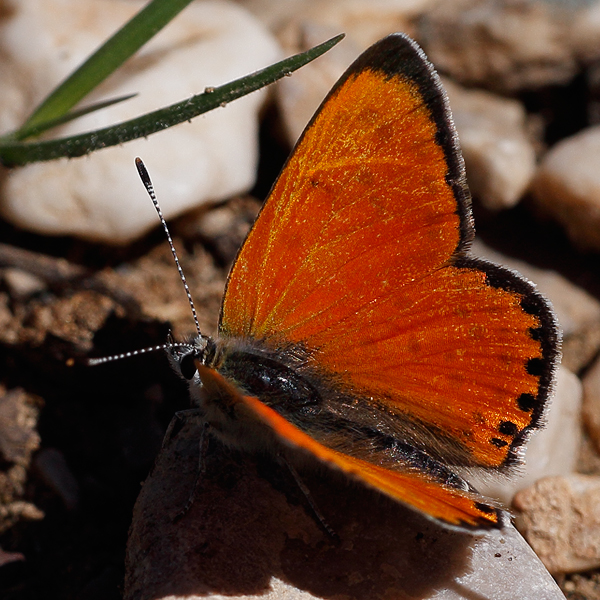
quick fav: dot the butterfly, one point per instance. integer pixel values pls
(356, 328)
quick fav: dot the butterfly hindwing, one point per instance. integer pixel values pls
(441, 496)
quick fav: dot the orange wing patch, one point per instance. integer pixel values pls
(453, 506)
(454, 356)
(363, 199)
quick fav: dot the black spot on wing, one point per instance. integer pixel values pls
(498, 442)
(508, 428)
(535, 366)
(526, 402)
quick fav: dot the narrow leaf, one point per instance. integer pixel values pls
(20, 153)
(70, 116)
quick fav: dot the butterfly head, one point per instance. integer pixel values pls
(185, 356)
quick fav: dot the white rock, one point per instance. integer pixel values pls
(21, 283)
(567, 186)
(363, 21)
(499, 156)
(554, 449)
(100, 197)
(502, 566)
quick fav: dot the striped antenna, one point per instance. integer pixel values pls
(145, 177)
(92, 362)
(150, 189)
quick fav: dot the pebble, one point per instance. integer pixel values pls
(19, 439)
(363, 21)
(591, 402)
(567, 186)
(514, 45)
(560, 519)
(580, 350)
(554, 450)
(499, 156)
(100, 197)
(21, 283)
(223, 229)
(582, 587)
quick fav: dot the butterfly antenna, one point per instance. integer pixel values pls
(92, 362)
(170, 344)
(150, 189)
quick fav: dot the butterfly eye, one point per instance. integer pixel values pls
(187, 366)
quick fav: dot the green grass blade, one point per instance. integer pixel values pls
(20, 153)
(71, 116)
(111, 55)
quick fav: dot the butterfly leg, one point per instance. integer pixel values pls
(178, 421)
(317, 514)
(174, 428)
(202, 449)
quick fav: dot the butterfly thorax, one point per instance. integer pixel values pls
(221, 371)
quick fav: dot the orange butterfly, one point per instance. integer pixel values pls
(356, 327)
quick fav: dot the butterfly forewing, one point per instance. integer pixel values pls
(362, 205)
